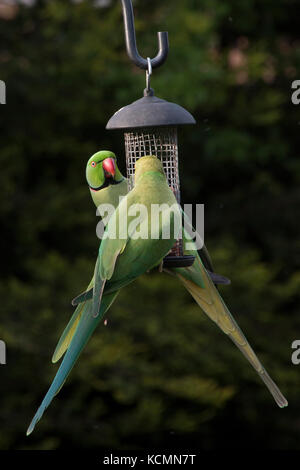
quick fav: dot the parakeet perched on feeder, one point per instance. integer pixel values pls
(124, 258)
(121, 260)
(107, 185)
(199, 284)
(195, 278)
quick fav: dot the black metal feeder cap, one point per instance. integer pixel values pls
(150, 111)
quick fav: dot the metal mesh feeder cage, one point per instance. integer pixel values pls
(150, 128)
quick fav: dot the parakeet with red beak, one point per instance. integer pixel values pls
(121, 260)
(107, 185)
(104, 178)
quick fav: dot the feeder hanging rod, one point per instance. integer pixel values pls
(130, 38)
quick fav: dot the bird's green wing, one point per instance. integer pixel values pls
(86, 295)
(110, 248)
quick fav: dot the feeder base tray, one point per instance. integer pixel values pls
(178, 261)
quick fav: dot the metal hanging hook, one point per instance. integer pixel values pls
(163, 42)
(148, 76)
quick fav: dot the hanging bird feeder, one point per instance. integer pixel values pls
(150, 125)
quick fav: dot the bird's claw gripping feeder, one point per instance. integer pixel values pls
(150, 125)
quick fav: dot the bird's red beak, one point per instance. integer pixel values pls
(109, 167)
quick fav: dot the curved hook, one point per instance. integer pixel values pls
(130, 38)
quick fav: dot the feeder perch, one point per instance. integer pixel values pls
(150, 126)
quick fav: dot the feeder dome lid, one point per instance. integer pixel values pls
(150, 111)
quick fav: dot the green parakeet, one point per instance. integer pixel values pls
(197, 280)
(106, 184)
(145, 240)
(106, 187)
(121, 260)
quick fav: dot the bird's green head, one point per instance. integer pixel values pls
(102, 170)
(146, 164)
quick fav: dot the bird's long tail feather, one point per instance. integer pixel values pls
(68, 333)
(85, 328)
(212, 304)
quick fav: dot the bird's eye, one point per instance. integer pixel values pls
(93, 164)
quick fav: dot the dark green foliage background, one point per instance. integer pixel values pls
(160, 374)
